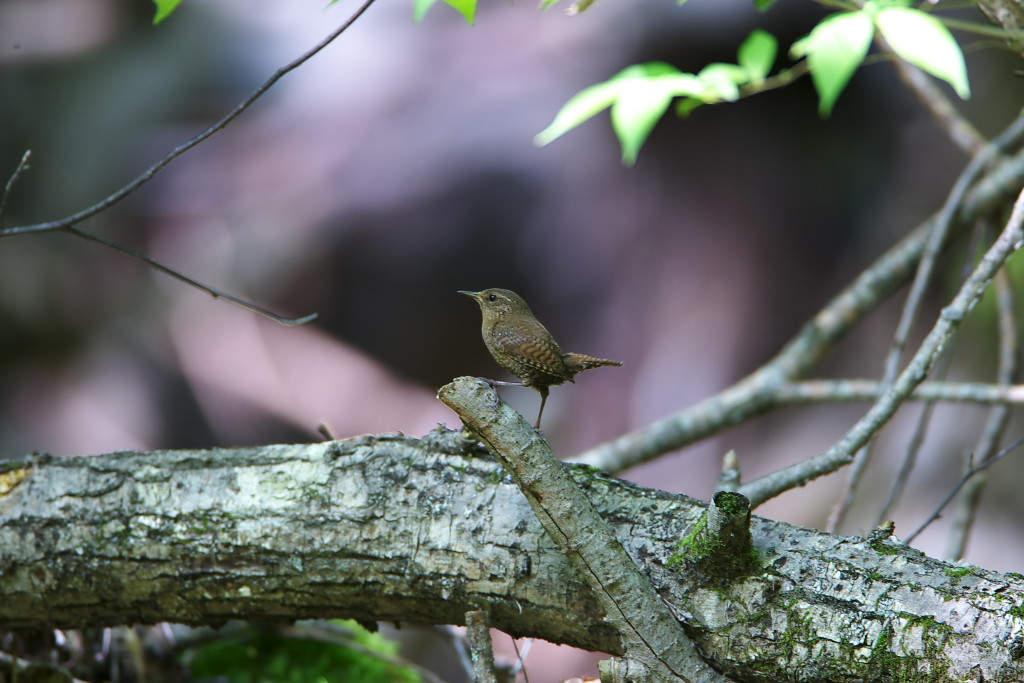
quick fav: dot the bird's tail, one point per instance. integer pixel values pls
(578, 362)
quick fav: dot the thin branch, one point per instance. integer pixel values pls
(945, 327)
(21, 167)
(981, 29)
(971, 471)
(957, 128)
(917, 438)
(215, 293)
(967, 506)
(937, 239)
(131, 187)
(867, 390)
(920, 430)
(755, 394)
(67, 224)
(779, 80)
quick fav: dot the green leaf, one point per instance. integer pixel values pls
(722, 81)
(164, 9)
(467, 8)
(639, 105)
(757, 54)
(834, 50)
(420, 9)
(580, 107)
(687, 105)
(922, 40)
(638, 96)
(763, 5)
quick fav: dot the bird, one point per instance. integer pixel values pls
(524, 347)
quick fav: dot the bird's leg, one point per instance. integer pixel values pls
(543, 399)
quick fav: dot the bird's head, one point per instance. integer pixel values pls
(499, 302)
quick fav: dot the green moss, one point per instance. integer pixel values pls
(733, 504)
(692, 544)
(883, 548)
(957, 573)
(886, 665)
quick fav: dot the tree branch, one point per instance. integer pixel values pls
(68, 223)
(215, 293)
(650, 632)
(814, 391)
(424, 530)
(141, 180)
(754, 395)
(945, 327)
(999, 416)
(938, 237)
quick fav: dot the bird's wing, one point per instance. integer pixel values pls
(533, 348)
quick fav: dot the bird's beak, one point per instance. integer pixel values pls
(468, 293)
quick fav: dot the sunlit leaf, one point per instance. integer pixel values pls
(639, 105)
(580, 107)
(922, 40)
(467, 8)
(834, 50)
(164, 9)
(420, 8)
(590, 101)
(757, 54)
(722, 81)
(638, 97)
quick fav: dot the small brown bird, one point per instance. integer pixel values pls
(524, 347)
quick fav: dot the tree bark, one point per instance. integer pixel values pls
(393, 528)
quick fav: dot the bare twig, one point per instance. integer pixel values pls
(141, 180)
(215, 293)
(21, 167)
(958, 129)
(909, 460)
(967, 505)
(68, 223)
(945, 327)
(756, 393)
(937, 239)
(972, 470)
(867, 390)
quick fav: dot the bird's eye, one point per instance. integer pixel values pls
(492, 297)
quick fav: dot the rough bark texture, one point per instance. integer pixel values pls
(649, 631)
(400, 529)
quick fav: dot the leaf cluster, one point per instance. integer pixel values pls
(641, 94)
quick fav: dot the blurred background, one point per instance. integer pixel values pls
(397, 167)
